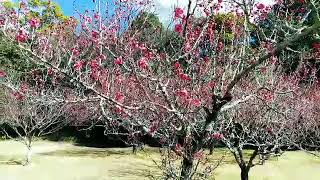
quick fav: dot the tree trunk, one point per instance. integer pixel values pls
(244, 174)
(186, 171)
(29, 151)
(134, 149)
(211, 148)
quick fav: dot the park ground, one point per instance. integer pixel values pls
(65, 161)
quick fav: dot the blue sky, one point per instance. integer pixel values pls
(68, 7)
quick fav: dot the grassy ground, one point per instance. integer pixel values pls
(64, 161)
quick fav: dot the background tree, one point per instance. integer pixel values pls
(268, 121)
(29, 115)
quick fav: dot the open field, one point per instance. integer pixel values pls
(64, 161)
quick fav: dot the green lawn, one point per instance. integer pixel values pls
(64, 161)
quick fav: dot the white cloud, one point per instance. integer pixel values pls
(164, 9)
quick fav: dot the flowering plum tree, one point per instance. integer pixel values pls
(177, 97)
(274, 118)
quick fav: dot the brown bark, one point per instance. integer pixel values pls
(244, 173)
(187, 168)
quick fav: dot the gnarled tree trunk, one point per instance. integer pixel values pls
(245, 173)
(187, 168)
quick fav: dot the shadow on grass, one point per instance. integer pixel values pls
(12, 161)
(141, 170)
(137, 170)
(84, 152)
(228, 158)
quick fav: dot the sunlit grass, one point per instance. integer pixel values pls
(290, 166)
(64, 161)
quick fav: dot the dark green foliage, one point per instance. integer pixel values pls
(12, 60)
(146, 20)
(155, 33)
(291, 58)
